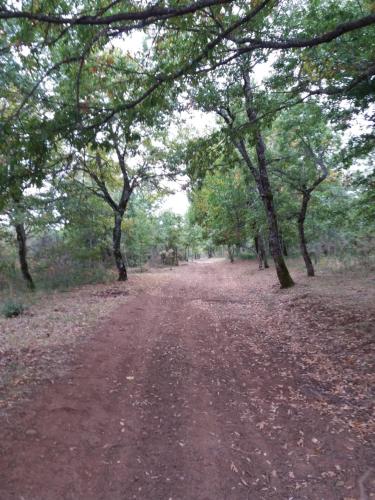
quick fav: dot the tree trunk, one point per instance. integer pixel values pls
(256, 245)
(22, 253)
(263, 253)
(260, 174)
(281, 269)
(264, 188)
(283, 245)
(230, 254)
(265, 192)
(119, 259)
(302, 238)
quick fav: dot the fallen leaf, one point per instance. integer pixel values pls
(233, 467)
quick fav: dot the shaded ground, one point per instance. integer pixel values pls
(207, 383)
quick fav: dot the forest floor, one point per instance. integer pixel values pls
(206, 382)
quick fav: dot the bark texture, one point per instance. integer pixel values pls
(306, 195)
(230, 254)
(119, 259)
(260, 174)
(22, 253)
(260, 251)
(118, 207)
(265, 191)
(282, 271)
(302, 238)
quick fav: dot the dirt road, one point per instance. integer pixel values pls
(197, 388)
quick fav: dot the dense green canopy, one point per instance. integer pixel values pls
(93, 93)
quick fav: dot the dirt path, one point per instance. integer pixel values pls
(185, 394)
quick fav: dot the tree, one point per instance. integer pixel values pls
(17, 220)
(112, 161)
(114, 180)
(65, 84)
(220, 206)
(81, 219)
(238, 109)
(192, 238)
(141, 228)
(170, 233)
(304, 149)
(49, 42)
(23, 163)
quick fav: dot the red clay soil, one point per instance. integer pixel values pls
(204, 387)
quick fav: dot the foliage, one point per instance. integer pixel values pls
(12, 308)
(140, 230)
(85, 116)
(221, 208)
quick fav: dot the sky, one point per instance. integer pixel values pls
(177, 203)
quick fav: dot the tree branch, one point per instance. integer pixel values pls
(155, 13)
(341, 29)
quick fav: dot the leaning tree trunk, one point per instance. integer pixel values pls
(281, 268)
(119, 259)
(302, 238)
(265, 192)
(261, 178)
(264, 187)
(22, 253)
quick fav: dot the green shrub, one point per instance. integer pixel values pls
(12, 308)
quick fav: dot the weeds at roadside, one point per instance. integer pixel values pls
(12, 308)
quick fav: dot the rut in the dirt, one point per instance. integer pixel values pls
(180, 395)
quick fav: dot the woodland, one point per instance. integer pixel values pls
(225, 351)
(93, 106)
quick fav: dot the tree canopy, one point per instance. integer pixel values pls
(91, 91)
